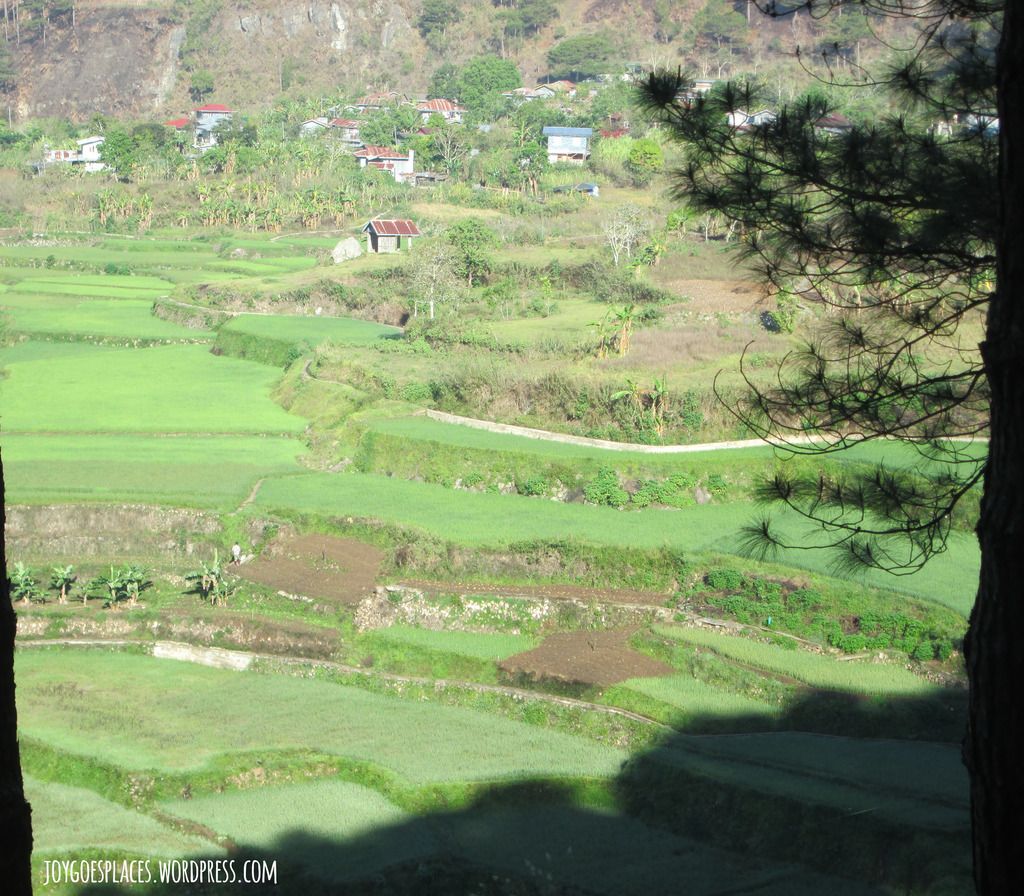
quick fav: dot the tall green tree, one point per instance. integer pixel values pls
(900, 228)
(580, 57)
(435, 19)
(472, 240)
(482, 81)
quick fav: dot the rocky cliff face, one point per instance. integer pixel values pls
(126, 61)
(113, 62)
(132, 58)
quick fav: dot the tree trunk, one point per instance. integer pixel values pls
(994, 745)
(15, 814)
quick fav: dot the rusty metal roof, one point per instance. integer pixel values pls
(380, 152)
(392, 227)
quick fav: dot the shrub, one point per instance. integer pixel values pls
(605, 489)
(725, 580)
(417, 392)
(534, 486)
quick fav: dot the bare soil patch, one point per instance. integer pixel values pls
(729, 296)
(577, 593)
(324, 567)
(590, 657)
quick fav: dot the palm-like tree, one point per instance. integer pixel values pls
(134, 582)
(625, 317)
(113, 584)
(208, 577)
(658, 394)
(603, 327)
(61, 580)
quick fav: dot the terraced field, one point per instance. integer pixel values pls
(412, 744)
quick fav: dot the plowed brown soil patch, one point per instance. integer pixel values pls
(323, 567)
(551, 592)
(593, 658)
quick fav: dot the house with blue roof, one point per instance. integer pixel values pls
(568, 144)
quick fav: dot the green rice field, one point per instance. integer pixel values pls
(338, 831)
(919, 784)
(143, 713)
(64, 315)
(478, 645)
(500, 520)
(214, 472)
(824, 672)
(695, 698)
(179, 388)
(67, 819)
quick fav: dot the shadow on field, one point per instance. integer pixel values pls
(765, 813)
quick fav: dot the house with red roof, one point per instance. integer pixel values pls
(450, 111)
(386, 235)
(387, 158)
(179, 124)
(207, 119)
(346, 130)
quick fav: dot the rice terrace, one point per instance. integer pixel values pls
(387, 570)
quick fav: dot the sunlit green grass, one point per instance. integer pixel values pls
(195, 471)
(164, 389)
(311, 329)
(66, 819)
(694, 697)
(481, 519)
(143, 713)
(483, 646)
(127, 318)
(816, 670)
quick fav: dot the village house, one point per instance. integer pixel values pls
(520, 94)
(314, 126)
(386, 235)
(555, 87)
(394, 161)
(87, 156)
(448, 110)
(208, 118)
(833, 124)
(346, 130)
(743, 120)
(568, 144)
(374, 102)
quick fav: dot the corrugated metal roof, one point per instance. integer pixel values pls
(177, 123)
(439, 105)
(392, 227)
(213, 107)
(568, 132)
(380, 152)
(344, 123)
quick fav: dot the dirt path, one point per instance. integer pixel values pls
(583, 441)
(252, 494)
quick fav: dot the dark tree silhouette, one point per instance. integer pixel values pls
(15, 817)
(910, 231)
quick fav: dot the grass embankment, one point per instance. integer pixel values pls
(499, 521)
(278, 339)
